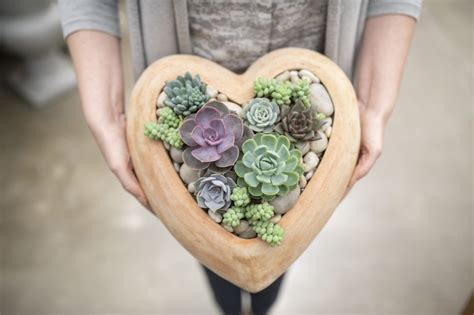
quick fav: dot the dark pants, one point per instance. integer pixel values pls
(228, 296)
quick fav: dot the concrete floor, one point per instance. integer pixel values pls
(73, 242)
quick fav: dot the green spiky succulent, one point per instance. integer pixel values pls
(269, 166)
(271, 233)
(233, 216)
(278, 92)
(300, 92)
(240, 196)
(259, 212)
(185, 95)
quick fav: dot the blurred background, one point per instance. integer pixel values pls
(73, 242)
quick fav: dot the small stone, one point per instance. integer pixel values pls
(248, 234)
(216, 216)
(187, 174)
(285, 76)
(211, 91)
(161, 98)
(303, 182)
(284, 203)
(328, 132)
(320, 145)
(294, 77)
(177, 166)
(222, 97)
(228, 228)
(319, 98)
(276, 218)
(167, 145)
(234, 107)
(303, 147)
(242, 227)
(176, 155)
(308, 74)
(309, 175)
(310, 161)
(327, 123)
(191, 188)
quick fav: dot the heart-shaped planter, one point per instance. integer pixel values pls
(248, 263)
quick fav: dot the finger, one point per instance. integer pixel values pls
(130, 183)
(364, 164)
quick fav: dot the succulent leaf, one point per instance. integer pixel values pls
(185, 94)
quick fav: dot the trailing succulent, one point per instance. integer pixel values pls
(299, 123)
(214, 136)
(166, 129)
(300, 92)
(213, 192)
(271, 233)
(185, 95)
(232, 216)
(269, 166)
(261, 114)
(278, 92)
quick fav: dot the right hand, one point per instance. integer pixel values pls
(112, 142)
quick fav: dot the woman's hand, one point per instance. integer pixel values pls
(97, 61)
(382, 57)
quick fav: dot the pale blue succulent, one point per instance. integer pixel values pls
(261, 114)
(213, 192)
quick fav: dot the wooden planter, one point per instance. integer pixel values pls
(249, 264)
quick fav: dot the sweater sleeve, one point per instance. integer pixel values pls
(407, 7)
(89, 15)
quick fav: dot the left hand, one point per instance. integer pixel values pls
(372, 129)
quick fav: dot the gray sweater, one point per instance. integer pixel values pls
(160, 28)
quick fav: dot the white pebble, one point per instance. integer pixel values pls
(309, 175)
(222, 97)
(228, 228)
(243, 226)
(303, 147)
(285, 76)
(234, 107)
(176, 166)
(327, 123)
(319, 98)
(161, 99)
(303, 182)
(276, 218)
(308, 74)
(294, 76)
(328, 132)
(320, 145)
(176, 155)
(310, 161)
(216, 216)
(192, 188)
(167, 146)
(187, 174)
(211, 91)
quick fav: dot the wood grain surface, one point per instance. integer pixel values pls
(249, 264)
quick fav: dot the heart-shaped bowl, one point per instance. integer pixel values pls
(248, 263)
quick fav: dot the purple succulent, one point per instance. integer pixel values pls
(214, 136)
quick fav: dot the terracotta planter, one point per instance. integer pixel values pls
(250, 264)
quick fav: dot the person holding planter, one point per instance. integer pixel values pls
(368, 39)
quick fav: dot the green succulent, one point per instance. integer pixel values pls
(271, 233)
(185, 95)
(300, 92)
(161, 131)
(168, 116)
(240, 196)
(261, 114)
(232, 216)
(269, 166)
(259, 212)
(278, 92)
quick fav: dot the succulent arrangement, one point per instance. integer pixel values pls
(246, 166)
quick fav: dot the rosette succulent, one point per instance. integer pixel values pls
(213, 135)
(261, 114)
(213, 192)
(299, 123)
(185, 95)
(269, 166)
